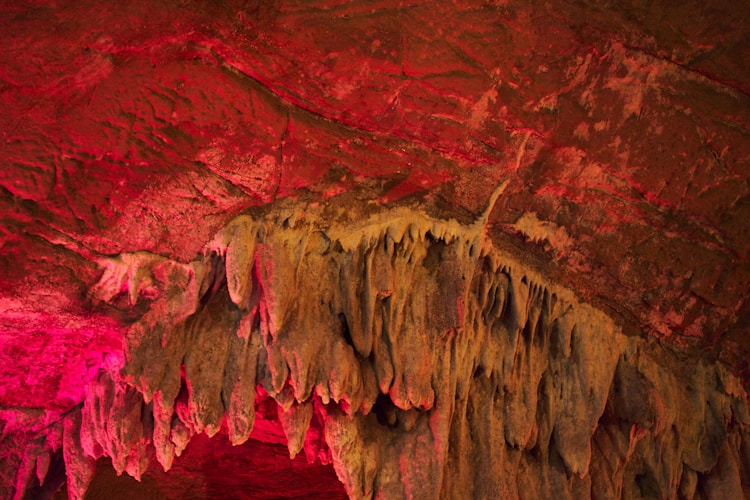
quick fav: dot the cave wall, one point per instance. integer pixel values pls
(497, 248)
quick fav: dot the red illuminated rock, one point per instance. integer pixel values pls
(452, 249)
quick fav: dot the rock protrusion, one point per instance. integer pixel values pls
(416, 356)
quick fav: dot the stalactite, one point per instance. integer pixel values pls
(437, 364)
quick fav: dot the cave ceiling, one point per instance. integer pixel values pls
(173, 171)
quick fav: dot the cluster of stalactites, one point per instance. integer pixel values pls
(436, 364)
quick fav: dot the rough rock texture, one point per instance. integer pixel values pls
(491, 249)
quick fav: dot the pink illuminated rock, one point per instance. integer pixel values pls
(442, 249)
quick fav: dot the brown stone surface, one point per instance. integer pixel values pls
(137, 310)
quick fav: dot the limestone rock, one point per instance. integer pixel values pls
(446, 249)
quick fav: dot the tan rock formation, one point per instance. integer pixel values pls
(435, 250)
